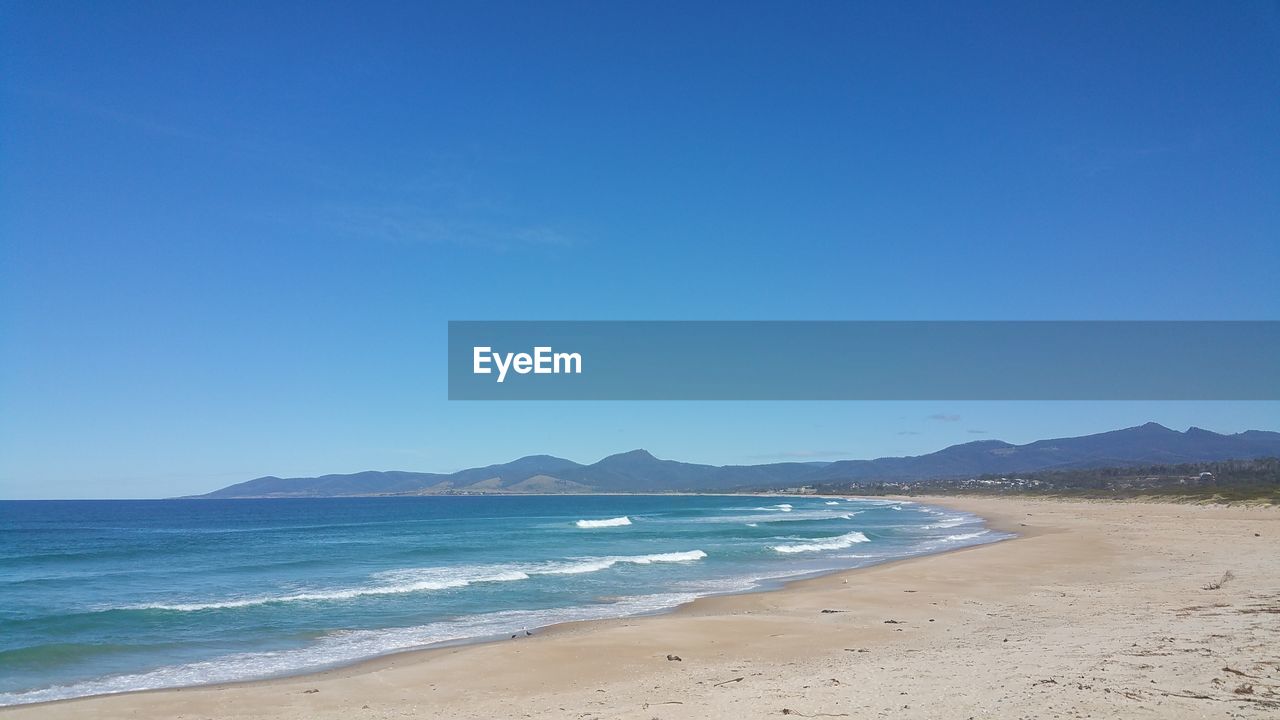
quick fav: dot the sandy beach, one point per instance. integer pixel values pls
(1098, 609)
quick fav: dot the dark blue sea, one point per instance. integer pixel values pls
(109, 596)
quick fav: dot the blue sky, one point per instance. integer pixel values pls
(231, 237)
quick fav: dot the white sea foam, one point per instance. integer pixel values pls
(965, 536)
(666, 557)
(953, 522)
(577, 567)
(396, 582)
(833, 543)
(777, 517)
(611, 522)
(586, 565)
(345, 646)
(831, 502)
(411, 580)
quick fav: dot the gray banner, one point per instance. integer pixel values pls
(856, 360)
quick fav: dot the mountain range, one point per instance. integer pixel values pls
(639, 471)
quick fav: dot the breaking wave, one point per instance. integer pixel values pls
(587, 565)
(965, 536)
(834, 543)
(344, 646)
(611, 522)
(398, 582)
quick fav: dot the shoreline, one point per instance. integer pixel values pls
(802, 622)
(358, 666)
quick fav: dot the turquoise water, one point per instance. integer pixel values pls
(109, 596)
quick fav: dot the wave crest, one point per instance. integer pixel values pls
(965, 536)
(834, 543)
(398, 582)
(611, 522)
(953, 522)
(586, 565)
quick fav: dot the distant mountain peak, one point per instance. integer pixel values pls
(637, 454)
(993, 443)
(540, 458)
(639, 471)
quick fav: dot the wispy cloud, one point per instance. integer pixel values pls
(447, 202)
(1092, 160)
(443, 205)
(976, 432)
(940, 417)
(908, 432)
(142, 123)
(410, 225)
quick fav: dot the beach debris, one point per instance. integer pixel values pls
(856, 650)
(726, 682)
(1227, 577)
(308, 692)
(675, 658)
(895, 622)
(1189, 694)
(1244, 689)
(789, 711)
(1201, 696)
(1228, 668)
(825, 612)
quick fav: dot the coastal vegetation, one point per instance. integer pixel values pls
(1253, 481)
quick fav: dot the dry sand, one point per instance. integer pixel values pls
(1098, 610)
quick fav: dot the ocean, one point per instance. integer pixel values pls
(110, 596)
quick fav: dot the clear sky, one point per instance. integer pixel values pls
(231, 236)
